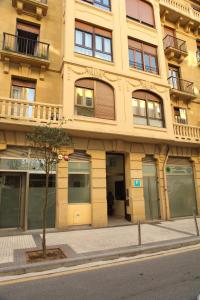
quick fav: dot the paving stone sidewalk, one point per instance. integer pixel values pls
(91, 241)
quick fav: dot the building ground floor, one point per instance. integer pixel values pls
(98, 181)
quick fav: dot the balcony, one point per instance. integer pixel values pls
(181, 13)
(37, 8)
(18, 49)
(181, 89)
(187, 133)
(175, 49)
(28, 112)
(198, 57)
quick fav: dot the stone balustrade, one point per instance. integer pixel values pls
(186, 132)
(14, 109)
(183, 7)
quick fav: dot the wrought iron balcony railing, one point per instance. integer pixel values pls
(181, 85)
(25, 46)
(172, 42)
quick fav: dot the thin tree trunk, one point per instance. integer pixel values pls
(45, 213)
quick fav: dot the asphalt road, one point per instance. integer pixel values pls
(163, 278)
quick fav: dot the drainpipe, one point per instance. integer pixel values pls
(165, 183)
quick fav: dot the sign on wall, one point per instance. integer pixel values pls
(136, 183)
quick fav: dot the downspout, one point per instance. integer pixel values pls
(165, 183)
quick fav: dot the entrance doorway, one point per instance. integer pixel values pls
(152, 203)
(116, 187)
(11, 200)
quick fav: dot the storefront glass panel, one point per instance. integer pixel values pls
(36, 201)
(10, 200)
(181, 190)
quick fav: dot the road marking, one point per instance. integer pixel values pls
(92, 266)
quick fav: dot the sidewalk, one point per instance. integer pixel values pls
(94, 244)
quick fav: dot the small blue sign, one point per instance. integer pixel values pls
(137, 183)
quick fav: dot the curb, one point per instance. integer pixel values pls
(109, 255)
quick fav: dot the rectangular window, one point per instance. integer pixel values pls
(27, 38)
(104, 4)
(180, 115)
(79, 181)
(143, 56)
(23, 90)
(147, 112)
(84, 105)
(93, 41)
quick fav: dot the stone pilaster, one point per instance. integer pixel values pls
(98, 188)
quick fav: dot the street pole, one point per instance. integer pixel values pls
(195, 222)
(139, 234)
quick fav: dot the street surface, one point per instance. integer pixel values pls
(162, 277)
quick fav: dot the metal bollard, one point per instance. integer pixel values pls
(139, 234)
(195, 222)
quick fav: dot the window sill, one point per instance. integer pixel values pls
(143, 26)
(79, 203)
(95, 120)
(144, 72)
(92, 58)
(98, 9)
(151, 128)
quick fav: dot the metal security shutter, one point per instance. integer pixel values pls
(104, 101)
(180, 186)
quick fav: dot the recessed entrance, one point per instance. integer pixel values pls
(11, 200)
(116, 187)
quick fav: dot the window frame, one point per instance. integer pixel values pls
(143, 53)
(23, 87)
(93, 48)
(80, 173)
(99, 4)
(186, 115)
(147, 117)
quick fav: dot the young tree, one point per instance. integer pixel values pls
(46, 142)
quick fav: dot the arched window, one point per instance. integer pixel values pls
(147, 109)
(140, 11)
(94, 98)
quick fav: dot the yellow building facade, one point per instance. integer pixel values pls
(124, 77)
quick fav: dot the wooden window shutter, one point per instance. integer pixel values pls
(132, 9)
(103, 32)
(139, 95)
(84, 27)
(150, 49)
(104, 101)
(24, 83)
(85, 83)
(28, 27)
(134, 44)
(146, 13)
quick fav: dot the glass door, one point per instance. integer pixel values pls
(10, 200)
(174, 78)
(151, 197)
